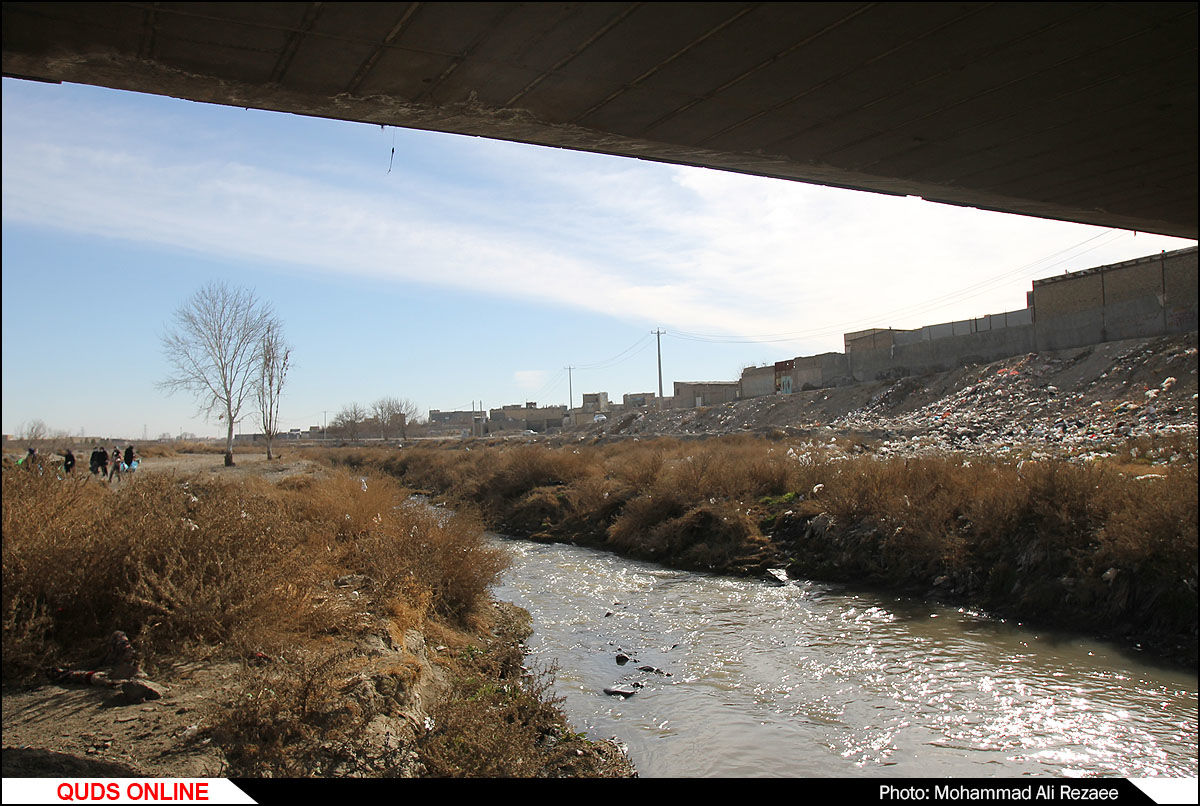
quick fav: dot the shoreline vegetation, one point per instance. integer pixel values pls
(1107, 547)
(357, 626)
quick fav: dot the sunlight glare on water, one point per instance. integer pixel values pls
(737, 677)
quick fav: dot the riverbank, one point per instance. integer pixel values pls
(303, 626)
(1104, 547)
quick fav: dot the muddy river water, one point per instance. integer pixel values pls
(736, 677)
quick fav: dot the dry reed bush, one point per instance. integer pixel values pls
(510, 729)
(708, 536)
(540, 508)
(691, 476)
(748, 469)
(447, 555)
(169, 563)
(410, 552)
(441, 469)
(596, 500)
(42, 517)
(178, 563)
(501, 719)
(528, 466)
(292, 718)
(628, 531)
(634, 464)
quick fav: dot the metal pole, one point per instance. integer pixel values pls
(658, 334)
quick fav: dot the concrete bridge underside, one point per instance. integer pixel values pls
(1077, 111)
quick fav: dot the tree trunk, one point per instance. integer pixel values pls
(229, 442)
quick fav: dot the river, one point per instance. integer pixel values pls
(737, 678)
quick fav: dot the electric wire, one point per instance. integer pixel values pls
(967, 292)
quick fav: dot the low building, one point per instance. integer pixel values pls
(529, 417)
(694, 394)
(595, 402)
(638, 400)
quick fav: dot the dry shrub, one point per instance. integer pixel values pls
(628, 532)
(204, 447)
(291, 718)
(526, 467)
(596, 500)
(502, 720)
(170, 564)
(635, 466)
(538, 509)
(490, 730)
(194, 562)
(446, 555)
(709, 536)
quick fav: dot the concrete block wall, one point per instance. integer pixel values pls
(1149, 296)
(758, 381)
(708, 393)
(825, 369)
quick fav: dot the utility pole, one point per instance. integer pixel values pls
(659, 333)
(570, 390)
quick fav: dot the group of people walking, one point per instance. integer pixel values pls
(101, 463)
(113, 466)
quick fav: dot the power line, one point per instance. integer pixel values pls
(967, 292)
(620, 357)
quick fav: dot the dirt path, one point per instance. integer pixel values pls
(245, 464)
(91, 731)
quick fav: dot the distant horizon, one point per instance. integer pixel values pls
(461, 269)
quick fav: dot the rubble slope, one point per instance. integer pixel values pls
(1075, 402)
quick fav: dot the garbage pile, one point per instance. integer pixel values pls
(1080, 403)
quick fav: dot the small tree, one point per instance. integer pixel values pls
(349, 421)
(35, 430)
(274, 362)
(214, 351)
(394, 414)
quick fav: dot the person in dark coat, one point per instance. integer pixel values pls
(68, 461)
(99, 461)
(129, 457)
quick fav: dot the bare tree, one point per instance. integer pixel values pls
(394, 414)
(35, 430)
(274, 362)
(213, 351)
(349, 421)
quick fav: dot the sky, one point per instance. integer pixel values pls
(449, 270)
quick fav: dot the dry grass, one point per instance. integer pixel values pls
(218, 563)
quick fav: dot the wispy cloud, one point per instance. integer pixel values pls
(692, 249)
(529, 379)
